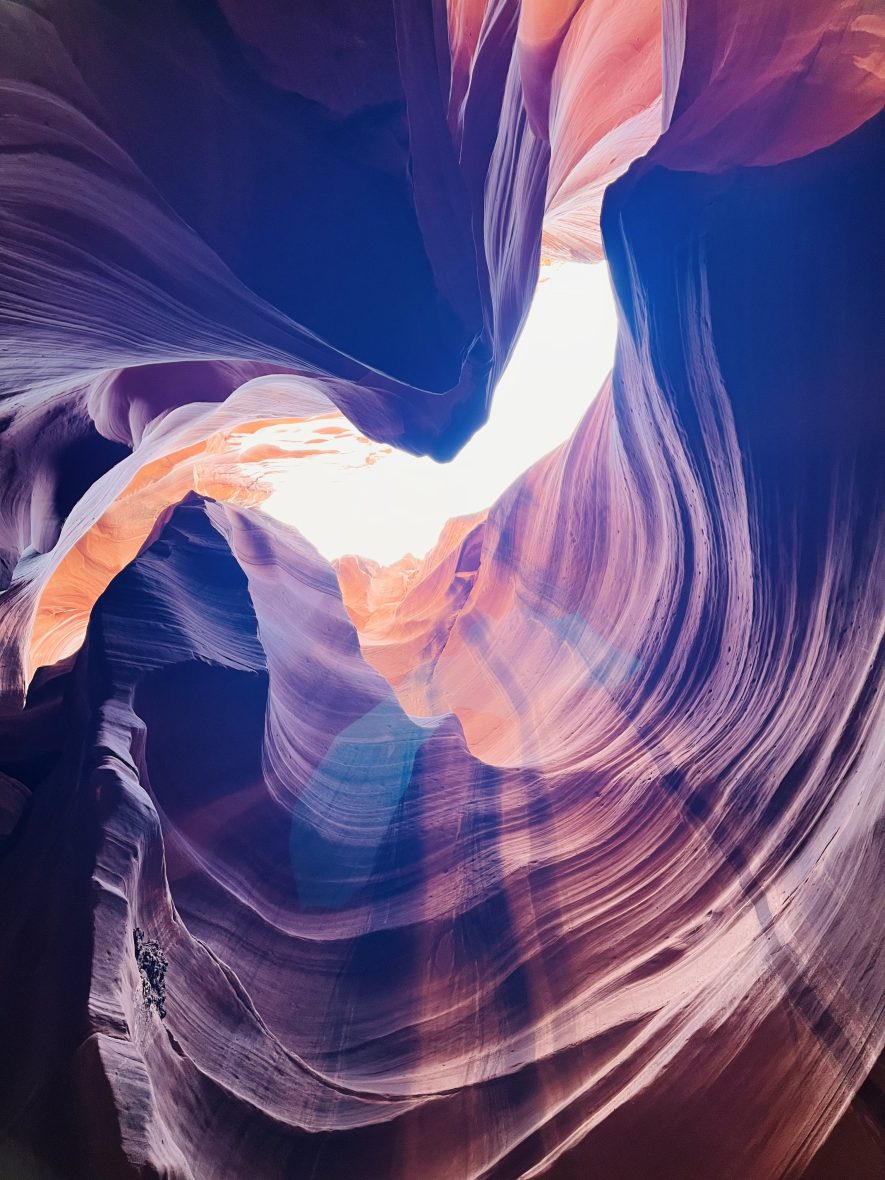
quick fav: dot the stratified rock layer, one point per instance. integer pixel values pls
(557, 853)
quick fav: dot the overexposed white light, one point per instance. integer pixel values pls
(383, 503)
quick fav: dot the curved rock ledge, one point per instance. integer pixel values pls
(556, 853)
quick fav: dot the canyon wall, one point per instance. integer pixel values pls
(555, 853)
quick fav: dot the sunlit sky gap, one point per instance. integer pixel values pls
(397, 503)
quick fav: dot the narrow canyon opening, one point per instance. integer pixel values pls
(357, 497)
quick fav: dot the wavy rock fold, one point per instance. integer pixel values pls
(556, 853)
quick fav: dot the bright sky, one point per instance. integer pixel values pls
(398, 503)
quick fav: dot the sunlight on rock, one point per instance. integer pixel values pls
(381, 503)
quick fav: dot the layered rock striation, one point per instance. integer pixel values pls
(557, 852)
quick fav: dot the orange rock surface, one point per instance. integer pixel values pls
(558, 851)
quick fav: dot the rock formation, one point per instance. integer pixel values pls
(557, 853)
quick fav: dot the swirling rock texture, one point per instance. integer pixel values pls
(557, 852)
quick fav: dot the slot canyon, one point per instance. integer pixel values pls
(554, 851)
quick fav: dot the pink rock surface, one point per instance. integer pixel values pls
(559, 851)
